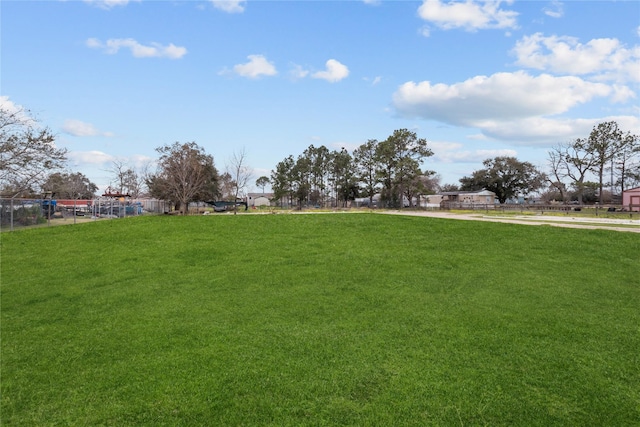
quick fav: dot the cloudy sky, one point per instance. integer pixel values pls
(114, 79)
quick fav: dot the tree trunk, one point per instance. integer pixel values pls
(600, 185)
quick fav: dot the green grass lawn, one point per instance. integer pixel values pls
(329, 319)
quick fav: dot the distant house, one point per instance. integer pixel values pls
(631, 199)
(461, 198)
(360, 202)
(259, 199)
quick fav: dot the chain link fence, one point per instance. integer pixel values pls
(19, 213)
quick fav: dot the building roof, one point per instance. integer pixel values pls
(457, 193)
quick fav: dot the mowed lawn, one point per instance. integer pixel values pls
(328, 319)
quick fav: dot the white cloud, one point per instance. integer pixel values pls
(469, 15)
(257, 66)
(334, 72)
(154, 50)
(501, 96)
(477, 136)
(555, 9)
(298, 72)
(108, 4)
(373, 81)
(607, 58)
(622, 94)
(139, 161)
(79, 128)
(230, 6)
(94, 43)
(547, 131)
(90, 157)
(372, 2)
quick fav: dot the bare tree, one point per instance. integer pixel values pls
(579, 161)
(117, 170)
(126, 179)
(28, 153)
(558, 170)
(185, 174)
(240, 173)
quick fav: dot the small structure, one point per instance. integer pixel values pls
(631, 199)
(115, 206)
(462, 199)
(259, 199)
(115, 194)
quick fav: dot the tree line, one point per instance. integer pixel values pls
(390, 169)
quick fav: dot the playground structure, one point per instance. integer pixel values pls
(116, 205)
(222, 206)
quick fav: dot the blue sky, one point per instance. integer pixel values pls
(115, 79)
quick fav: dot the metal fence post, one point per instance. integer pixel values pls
(11, 217)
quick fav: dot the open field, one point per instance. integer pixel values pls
(336, 319)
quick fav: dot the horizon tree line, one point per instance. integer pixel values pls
(392, 169)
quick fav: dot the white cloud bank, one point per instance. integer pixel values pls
(138, 50)
(468, 15)
(515, 107)
(257, 66)
(334, 72)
